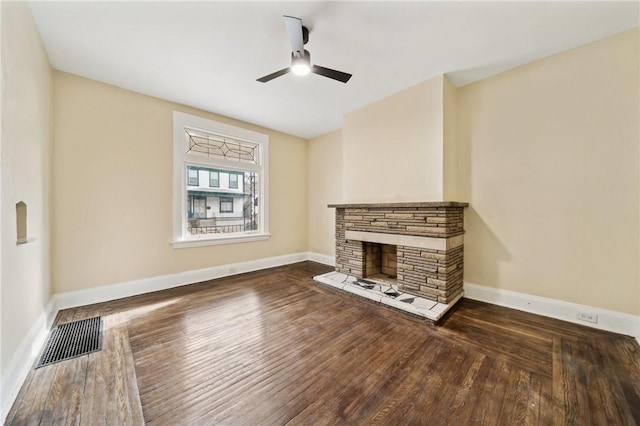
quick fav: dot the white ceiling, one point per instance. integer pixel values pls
(209, 54)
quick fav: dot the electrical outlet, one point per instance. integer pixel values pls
(584, 316)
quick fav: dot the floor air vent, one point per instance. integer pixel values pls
(71, 340)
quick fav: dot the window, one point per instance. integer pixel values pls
(236, 163)
(233, 181)
(226, 205)
(214, 179)
(193, 176)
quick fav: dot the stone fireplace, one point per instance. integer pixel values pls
(417, 246)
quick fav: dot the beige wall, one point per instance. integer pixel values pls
(393, 149)
(26, 141)
(325, 187)
(450, 141)
(550, 166)
(112, 199)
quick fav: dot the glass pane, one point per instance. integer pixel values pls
(217, 146)
(230, 207)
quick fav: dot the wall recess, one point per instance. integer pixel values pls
(21, 222)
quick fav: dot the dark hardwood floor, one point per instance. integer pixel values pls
(273, 347)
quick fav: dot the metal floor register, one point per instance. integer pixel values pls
(72, 340)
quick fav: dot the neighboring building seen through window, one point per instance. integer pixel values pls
(226, 203)
(228, 192)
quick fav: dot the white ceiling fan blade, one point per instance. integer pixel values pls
(294, 28)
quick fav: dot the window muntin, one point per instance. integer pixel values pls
(218, 146)
(234, 210)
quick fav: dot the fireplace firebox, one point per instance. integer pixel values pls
(380, 261)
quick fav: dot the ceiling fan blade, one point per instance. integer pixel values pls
(328, 72)
(294, 28)
(273, 75)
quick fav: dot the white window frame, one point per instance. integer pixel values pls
(181, 121)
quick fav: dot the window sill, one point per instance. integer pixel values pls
(201, 242)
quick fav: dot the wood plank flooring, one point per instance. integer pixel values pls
(275, 348)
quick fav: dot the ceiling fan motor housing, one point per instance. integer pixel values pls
(304, 59)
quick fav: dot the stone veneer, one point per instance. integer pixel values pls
(428, 237)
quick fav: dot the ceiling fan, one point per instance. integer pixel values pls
(301, 58)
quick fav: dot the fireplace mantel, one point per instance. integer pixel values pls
(424, 204)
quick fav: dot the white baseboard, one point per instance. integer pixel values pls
(23, 358)
(107, 293)
(616, 322)
(322, 258)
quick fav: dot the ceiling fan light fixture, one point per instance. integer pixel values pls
(301, 64)
(300, 69)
